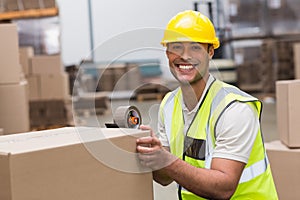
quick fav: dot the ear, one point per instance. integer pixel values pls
(211, 52)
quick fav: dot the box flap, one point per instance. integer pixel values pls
(40, 140)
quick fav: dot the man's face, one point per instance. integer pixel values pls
(189, 61)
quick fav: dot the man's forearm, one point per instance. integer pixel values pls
(209, 183)
(160, 177)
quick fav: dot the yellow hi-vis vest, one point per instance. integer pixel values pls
(197, 145)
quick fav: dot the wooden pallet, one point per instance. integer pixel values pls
(32, 13)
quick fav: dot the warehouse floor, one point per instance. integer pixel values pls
(149, 110)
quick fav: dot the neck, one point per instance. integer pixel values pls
(192, 93)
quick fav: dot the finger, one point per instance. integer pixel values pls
(145, 127)
(144, 140)
(149, 142)
(146, 150)
(156, 141)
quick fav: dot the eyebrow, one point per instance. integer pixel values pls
(185, 42)
(191, 43)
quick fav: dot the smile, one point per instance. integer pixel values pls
(185, 67)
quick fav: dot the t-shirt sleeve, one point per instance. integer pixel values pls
(236, 131)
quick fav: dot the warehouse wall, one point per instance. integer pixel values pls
(123, 30)
(75, 39)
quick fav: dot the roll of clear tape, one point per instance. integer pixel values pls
(127, 117)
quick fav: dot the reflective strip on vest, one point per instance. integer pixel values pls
(221, 94)
(254, 170)
(168, 111)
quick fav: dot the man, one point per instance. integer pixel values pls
(209, 139)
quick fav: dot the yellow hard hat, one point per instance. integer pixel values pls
(189, 26)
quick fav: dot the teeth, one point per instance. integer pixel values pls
(185, 66)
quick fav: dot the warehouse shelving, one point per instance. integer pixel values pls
(32, 13)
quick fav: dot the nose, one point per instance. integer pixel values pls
(185, 55)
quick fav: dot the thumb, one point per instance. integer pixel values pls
(145, 127)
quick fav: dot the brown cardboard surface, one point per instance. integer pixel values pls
(14, 110)
(11, 5)
(54, 86)
(46, 64)
(49, 3)
(70, 163)
(26, 53)
(34, 87)
(10, 68)
(47, 113)
(33, 4)
(5, 191)
(296, 48)
(285, 165)
(288, 109)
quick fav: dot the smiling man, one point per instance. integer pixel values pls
(209, 138)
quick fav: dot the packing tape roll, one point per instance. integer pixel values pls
(127, 117)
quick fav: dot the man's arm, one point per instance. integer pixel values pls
(219, 182)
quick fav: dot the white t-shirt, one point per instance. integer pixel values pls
(236, 129)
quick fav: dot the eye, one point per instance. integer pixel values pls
(176, 47)
(196, 47)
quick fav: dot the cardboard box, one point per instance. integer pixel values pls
(288, 109)
(39, 4)
(48, 113)
(10, 68)
(48, 86)
(285, 165)
(34, 87)
(46, 64)
(73, 163)
(54, 86)
(296, 48)
(14, 109)
(26, 53)
(49, 4)
(31, 4)
(11, 5)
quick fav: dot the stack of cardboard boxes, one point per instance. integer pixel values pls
(263, 63)
(284, 154)
(48, 88)
(14, 117)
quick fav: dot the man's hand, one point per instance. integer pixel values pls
(151, 152)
